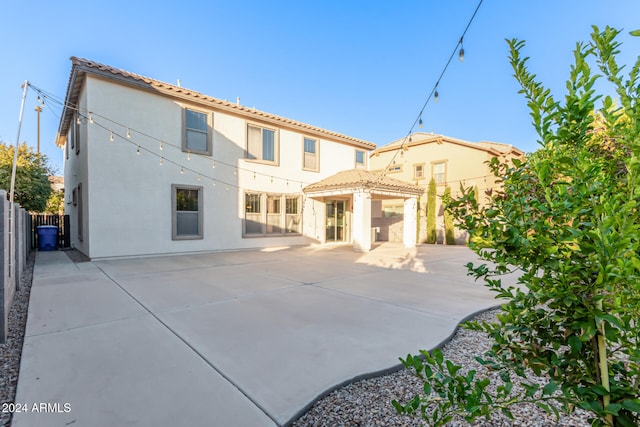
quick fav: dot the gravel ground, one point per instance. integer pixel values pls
(368, 402)
(11, 350)
(364, 403)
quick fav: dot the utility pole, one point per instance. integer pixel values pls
(38, 110)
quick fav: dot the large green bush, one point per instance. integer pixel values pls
(568, 218)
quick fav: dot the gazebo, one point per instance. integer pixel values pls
(356, 188)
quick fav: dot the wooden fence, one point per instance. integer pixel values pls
(60, 221)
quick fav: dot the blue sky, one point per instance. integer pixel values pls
(364, 69)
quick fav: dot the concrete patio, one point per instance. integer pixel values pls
(247, 338)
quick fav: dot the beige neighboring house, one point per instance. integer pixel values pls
(449, 161)
(57, 183)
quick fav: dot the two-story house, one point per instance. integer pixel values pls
(154, 168)
(450, 162)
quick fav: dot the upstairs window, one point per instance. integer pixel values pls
(262, 144)
(360, 159)
(440, 172)
(418, 171)
(310, 160)
(196, 137)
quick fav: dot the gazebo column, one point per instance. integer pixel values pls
(410, 230)
(361, 228)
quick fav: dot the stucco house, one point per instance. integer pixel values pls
(154, 168)
(420, 157)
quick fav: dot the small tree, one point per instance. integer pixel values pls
(32, 186)
(449, 230)
(568, 218)
(55, 203)
(431, 212)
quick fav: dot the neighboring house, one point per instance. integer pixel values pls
(57, 183)
(449, 161)
(153, 168)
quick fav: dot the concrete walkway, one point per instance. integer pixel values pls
(249, 338)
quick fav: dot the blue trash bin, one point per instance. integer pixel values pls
(47, 237)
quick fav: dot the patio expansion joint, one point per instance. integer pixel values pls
(87, 325)
(192, 348)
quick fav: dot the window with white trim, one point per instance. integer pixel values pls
(186, 207)
(197, 134)
(310, 153)
(439, 172)
(272, 214)
(262, 144)
(360, 159)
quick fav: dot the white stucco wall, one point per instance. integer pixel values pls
(129, 195)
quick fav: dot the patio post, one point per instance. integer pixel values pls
(409, 232)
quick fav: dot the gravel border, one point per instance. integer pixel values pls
(11, 350)
(368, 402)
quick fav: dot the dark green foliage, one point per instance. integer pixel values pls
(431, 212)
(449, 230)
(32, 186)
(567, 218)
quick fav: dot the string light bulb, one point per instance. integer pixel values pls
(128, 133)
(213, 164)
(420, 122)
(78, 120)
(90, 118)
(188, 155)
(161, 145)
(235, 171)
(436, 96)
(161, 160)
(213, 182)
(111, 136)
(138, 150)
(461, 53)
(181, 170)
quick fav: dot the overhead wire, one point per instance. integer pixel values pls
(434, 90)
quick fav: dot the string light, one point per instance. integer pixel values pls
(188, 155)
(213, 182)
(90, 117)
(434, 91)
